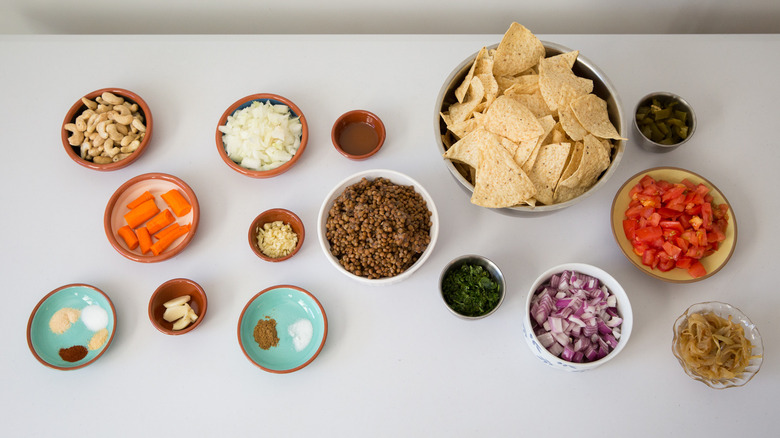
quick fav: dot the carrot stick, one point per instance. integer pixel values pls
(142, 213)
(160, 246)
(144, 239)
(176, 201)
(129, 236)
(160, 221)
(169, 229)
(145, 196)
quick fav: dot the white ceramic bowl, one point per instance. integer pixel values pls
(623, 306)
(397, 178)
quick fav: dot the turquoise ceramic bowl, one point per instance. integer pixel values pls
(45, 345)
(286, 305)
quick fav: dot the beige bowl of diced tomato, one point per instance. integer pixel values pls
(674, 224)
(152, 217)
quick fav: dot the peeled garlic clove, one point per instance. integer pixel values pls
(181, 323)
(191, 314)
(177, 301)
(173, 313)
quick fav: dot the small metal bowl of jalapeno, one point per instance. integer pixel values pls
(664, 121)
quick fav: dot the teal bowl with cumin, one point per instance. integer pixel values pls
(45, 345)
(286, 304)
(477, 260)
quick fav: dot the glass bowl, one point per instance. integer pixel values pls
(751, 333)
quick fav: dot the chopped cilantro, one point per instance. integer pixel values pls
(470, 290)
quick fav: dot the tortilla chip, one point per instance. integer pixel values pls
(468, 149)
(460, 92)
(489, 83)
(518, 51)
(575, 158)
(570, 124)
(534, 102)
(558, 84)
(591, 112)
(593, 161)
(499, 181)
(461, 111)
(525, 84)
(511, 119)
(547, 170)
(461, 129)
(509, 145)
(526, 154)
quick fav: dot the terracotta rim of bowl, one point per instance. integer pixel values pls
(71, 115)
(358, 116)
(324, 330)
(295, 223)
(38, 306)
(202, 311)
(262, 173)
(165, 255)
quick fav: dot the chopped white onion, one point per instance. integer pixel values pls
(262, 136)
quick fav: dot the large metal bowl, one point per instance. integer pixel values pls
(584, 68)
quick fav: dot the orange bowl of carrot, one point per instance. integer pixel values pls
(151, 217)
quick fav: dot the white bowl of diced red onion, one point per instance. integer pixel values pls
(577, 317)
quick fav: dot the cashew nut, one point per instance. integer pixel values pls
(101, 129)
(139, 125)
(121, 156)
(111, 98)
(76, 139)
(91, 104)
(102, 160)
(113, 132)
(98, 140)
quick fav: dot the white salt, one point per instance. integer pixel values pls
(301, 332)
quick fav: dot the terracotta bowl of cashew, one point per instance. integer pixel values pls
(107, 129)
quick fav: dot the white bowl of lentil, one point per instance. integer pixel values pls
(342, 227)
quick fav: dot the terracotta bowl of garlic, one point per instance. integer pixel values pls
(177, 306)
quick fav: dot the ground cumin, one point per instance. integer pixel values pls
(265, 333)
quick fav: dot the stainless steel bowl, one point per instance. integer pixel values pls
(472, 259)
(664, 97)
(584, 68)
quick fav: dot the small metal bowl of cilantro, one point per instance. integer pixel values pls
(472, 286)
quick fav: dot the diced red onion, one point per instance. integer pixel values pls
(575, 317)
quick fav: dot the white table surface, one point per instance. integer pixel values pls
(396, 362)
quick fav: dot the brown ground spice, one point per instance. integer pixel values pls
(74, 353)
(265, 333)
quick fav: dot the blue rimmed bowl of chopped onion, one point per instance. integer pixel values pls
(577, 317)
(262, 135)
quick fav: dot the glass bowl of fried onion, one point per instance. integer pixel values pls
(717, 345)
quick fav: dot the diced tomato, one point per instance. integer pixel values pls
(649, 258)
(672, 250)
(674, 225)
(648, 234)
(675, 192)
(697, 270)
(684, 262)
(629, 227)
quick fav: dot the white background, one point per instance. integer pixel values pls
(396, 362)
(397, 16)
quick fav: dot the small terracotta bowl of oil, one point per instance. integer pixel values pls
(358, 134)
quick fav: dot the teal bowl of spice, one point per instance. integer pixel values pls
(71, 327)
(472, 286)
(282, 329)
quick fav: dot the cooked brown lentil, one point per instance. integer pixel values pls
(377, 228)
